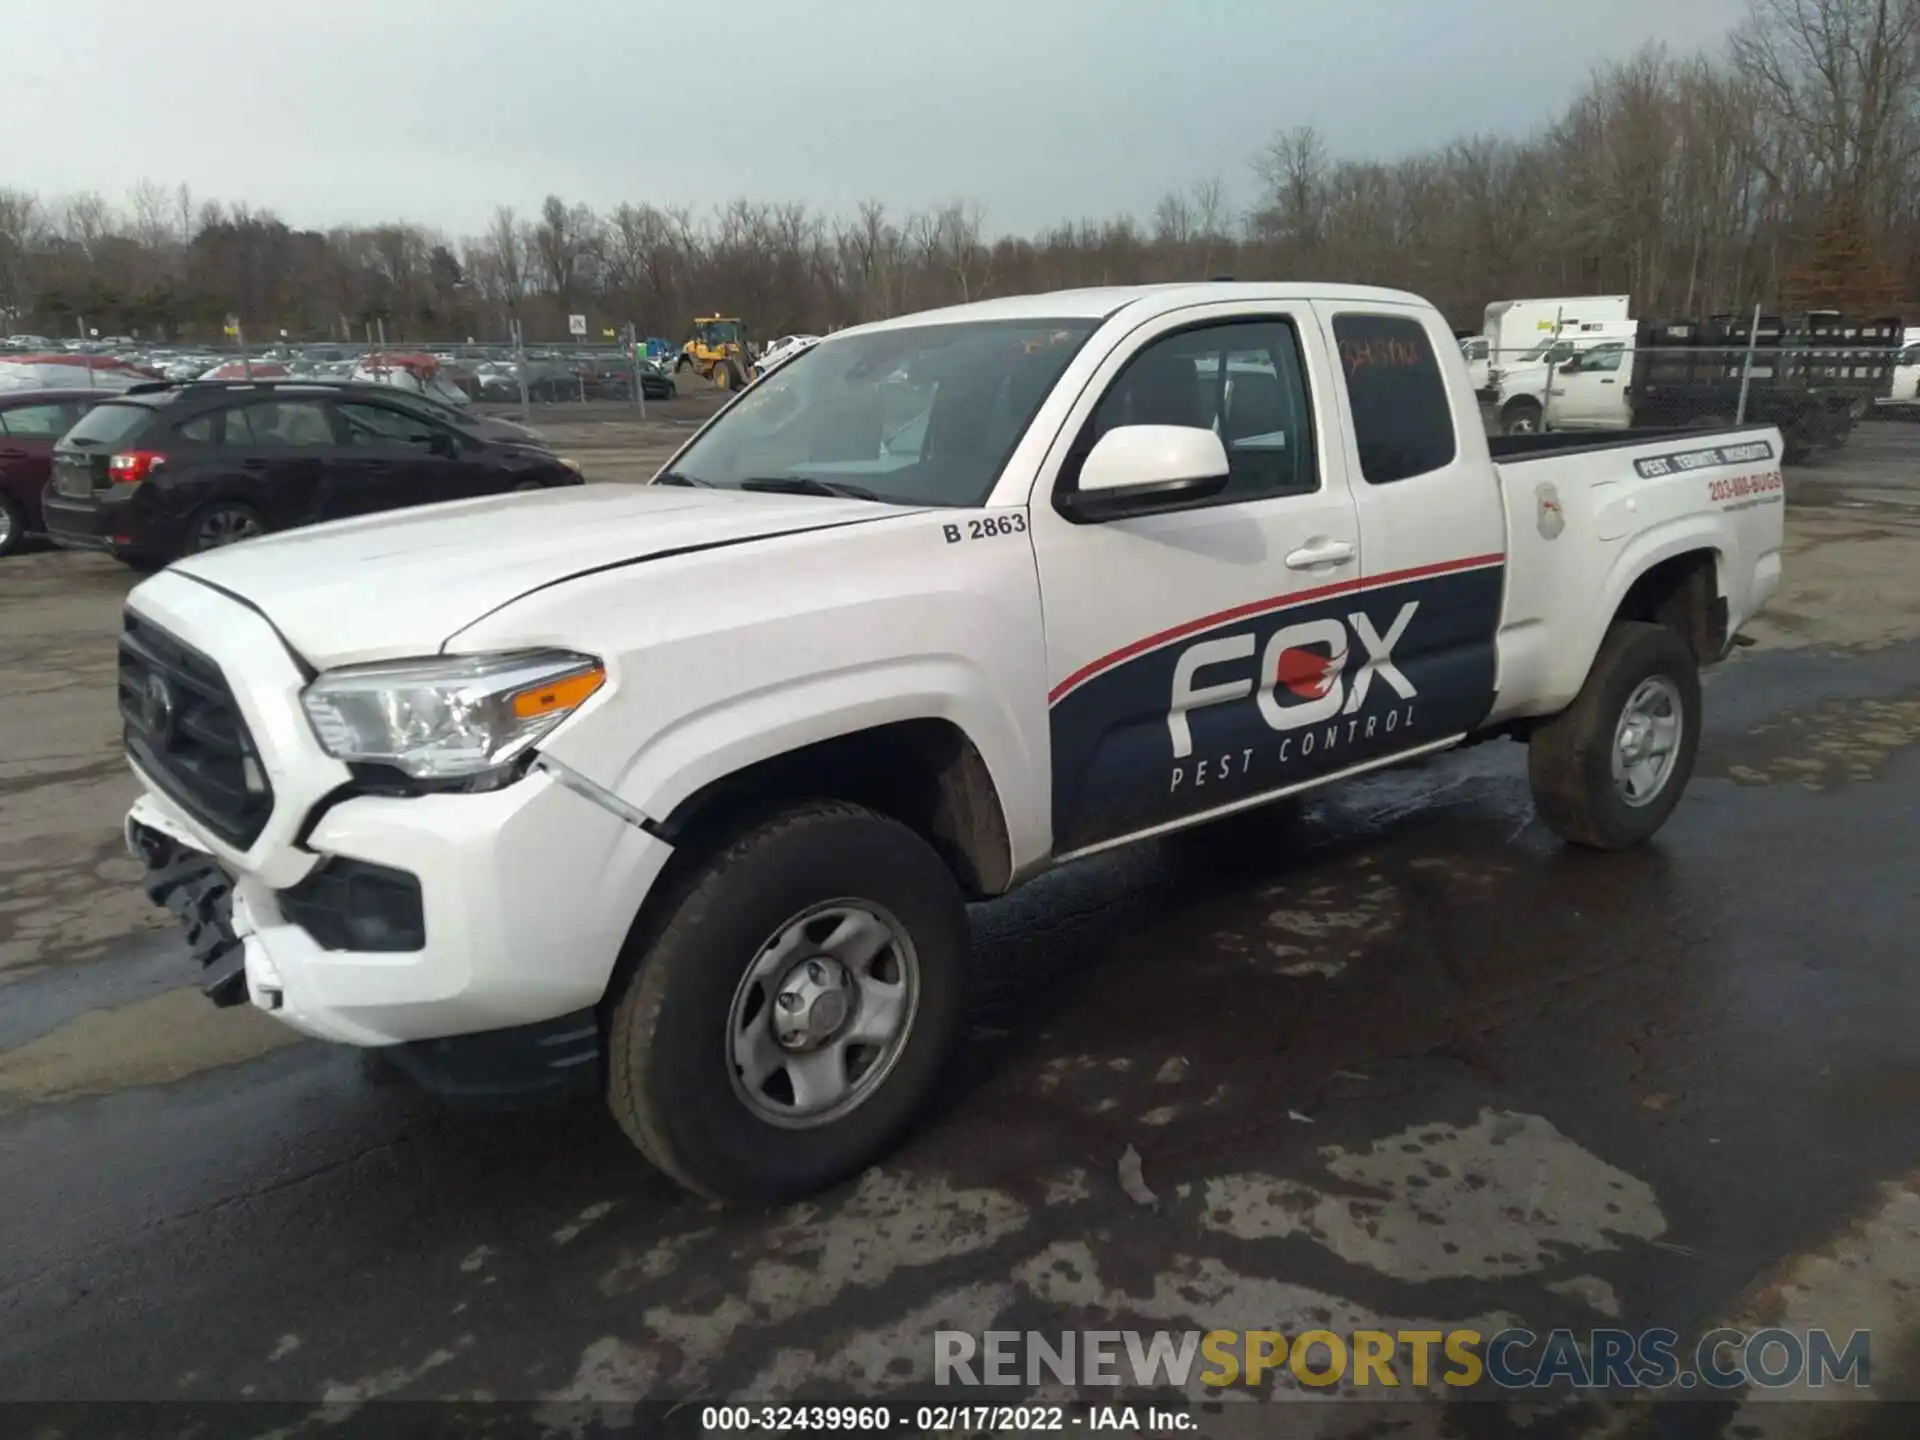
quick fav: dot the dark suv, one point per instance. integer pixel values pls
(169, 470)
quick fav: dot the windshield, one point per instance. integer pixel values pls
(921, 416)
(1550, 350)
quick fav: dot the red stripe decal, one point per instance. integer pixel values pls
(1263, 607)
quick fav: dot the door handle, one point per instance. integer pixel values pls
(1320, 552)
(1607, 382)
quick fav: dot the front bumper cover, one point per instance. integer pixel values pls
(191, 885)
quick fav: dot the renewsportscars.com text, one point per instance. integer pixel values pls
(1609, 1359)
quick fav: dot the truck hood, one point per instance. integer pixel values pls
(403, 582)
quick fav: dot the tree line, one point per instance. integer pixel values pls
(1781, 169)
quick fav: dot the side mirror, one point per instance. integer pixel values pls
(1145, 470)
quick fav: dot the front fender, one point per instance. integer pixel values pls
(708, 744)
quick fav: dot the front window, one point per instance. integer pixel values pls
(920, 416)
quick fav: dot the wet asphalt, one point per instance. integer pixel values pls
(1717, 1030)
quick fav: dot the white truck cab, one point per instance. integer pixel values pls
(677, 790)
(1574, 383)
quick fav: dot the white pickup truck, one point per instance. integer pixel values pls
(678, 789)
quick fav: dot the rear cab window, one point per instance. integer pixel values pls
(1402, 419)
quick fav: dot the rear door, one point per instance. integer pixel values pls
(1189, 652)
(273, 455)
(1427, 613)
(393, 456)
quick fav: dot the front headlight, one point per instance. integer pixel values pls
(452, 717)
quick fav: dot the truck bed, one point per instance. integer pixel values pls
(1517, 449)
(1648, 497)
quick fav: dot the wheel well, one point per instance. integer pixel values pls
(1682, 593)
(924, 773)
(1520, 402)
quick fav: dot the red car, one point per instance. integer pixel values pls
(30, 421)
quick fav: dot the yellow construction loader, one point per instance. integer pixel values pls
(718, 351)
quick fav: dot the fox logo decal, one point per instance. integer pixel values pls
(1290, 663)
(1265, 698)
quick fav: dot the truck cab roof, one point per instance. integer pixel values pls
(1103, 302)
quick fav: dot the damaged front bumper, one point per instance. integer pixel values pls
(187, 881)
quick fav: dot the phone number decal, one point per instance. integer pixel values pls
(1741, 487)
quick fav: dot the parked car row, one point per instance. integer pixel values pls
(171, 469)
(475, 372)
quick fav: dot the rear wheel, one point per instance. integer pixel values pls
(787, 1019)
(13, 526)
(723, 375)
(224, 522)
(1609, 769)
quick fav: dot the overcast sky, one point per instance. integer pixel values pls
(330, 111)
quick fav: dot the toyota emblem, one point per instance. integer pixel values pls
(156, 709)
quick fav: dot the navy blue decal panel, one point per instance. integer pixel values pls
(1253, 702)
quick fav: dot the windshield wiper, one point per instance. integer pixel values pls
(674, 477)
(807, 485)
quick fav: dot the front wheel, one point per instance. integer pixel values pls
(1609, 769)
(783, 1025)
(1522, 417)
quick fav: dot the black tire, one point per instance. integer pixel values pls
(13, 526)
(1520, 417)
(670, 1077)
(216, 516)
(1570, 758)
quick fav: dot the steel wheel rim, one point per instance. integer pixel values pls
(225, 527)
(1646, 740)
(795, 1062)
(1522, 424)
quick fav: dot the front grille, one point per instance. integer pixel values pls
(183, 728)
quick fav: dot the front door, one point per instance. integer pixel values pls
(1189, 651)
(394, 457)
(1592, 394)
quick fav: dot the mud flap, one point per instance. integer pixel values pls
(198, 893)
